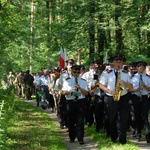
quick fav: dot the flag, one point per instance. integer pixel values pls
(65, 56)
(62, 58)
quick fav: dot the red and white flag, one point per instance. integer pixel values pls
(65, 56)
(62, 58)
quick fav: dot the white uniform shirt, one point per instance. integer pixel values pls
(69, 85)
(96, 89)
(136, 83)
(36, 80)
(63, 77)
(108, 79)
(88, 76)
(44, 81)
(56, 85)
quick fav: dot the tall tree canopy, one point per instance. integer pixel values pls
(32, 31)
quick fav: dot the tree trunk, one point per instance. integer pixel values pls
(101, 41)
(119, 38)
(49, 5)
(31, 35)
(91, 32)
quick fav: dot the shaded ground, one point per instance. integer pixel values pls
(89, 144)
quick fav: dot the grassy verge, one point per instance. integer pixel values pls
(32, 129)
(25, 127)
(104, 143)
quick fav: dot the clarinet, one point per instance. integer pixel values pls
(140, 85)
(76, 81)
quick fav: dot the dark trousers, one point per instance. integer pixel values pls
(62, 111)
(141, 112)
(117, 116)
(44, 93)
(131, 117)
(51, 101)
(38, 96)
(76, 115)
(89, 110)
(28, 91)
(99, 112)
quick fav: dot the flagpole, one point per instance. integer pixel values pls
(106, 58)
(79, 56)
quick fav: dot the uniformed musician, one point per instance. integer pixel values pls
(131, 116)
(141, 84)
(117, 110)
(75, 89)
(89, 109)
(98, 99)
(62, 104)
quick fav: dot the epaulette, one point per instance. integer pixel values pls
(83, 79)
(124, 71)
(68, 78)
(132, 76)
(109, 71)
(105, 70)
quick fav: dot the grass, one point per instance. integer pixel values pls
(104, 143)
(32, 129)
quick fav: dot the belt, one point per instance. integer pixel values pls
(44, 86)
(75, 100)
(141, 95)
(112, 96)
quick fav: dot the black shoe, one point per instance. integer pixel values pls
(114, 141)
(81, 142)
(62, 126)
(138, 137)
(148, 138)
(122, 142)
(71, 141)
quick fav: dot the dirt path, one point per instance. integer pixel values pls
(89, 144)
(143, 145)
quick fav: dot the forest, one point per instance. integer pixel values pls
(32, 31)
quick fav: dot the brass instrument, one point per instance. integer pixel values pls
(118, 89)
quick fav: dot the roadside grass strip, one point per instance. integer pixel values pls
(104, 143)
(32, 129)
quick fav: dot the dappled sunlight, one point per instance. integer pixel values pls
(32, 130)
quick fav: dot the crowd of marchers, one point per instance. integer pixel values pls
(112, 97)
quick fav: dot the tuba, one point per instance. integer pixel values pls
(118, 89)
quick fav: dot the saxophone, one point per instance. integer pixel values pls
(118, 89)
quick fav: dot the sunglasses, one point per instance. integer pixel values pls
(71, 63)
(76, 72)
(117, 59)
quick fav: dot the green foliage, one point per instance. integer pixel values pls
(23, 126)
(104, 143)
(69, 24)
(6, 114)
(32, 129)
